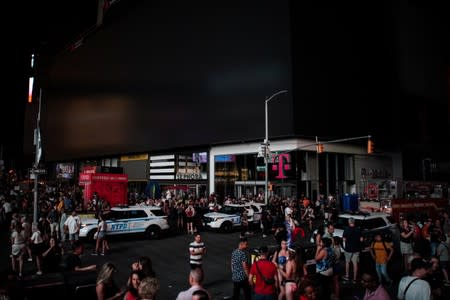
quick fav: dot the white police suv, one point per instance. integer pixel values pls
(149, 220)
(229, 216)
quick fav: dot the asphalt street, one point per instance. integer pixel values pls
(170, 259)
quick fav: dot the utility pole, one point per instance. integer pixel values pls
(38, 154)
(266, 145)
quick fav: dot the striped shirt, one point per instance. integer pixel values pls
(196, 259)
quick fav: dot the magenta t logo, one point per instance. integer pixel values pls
(281, 162)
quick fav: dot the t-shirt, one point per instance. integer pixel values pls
(268, 270)
(381, 254)
(71, 261)
(196, 259)
(238, 256)
(352, 236)
(418, 290)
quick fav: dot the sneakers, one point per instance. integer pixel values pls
(346, 278)
(102, 254)
(30, 259)
(264, 236)
(94, 253)
(446, 283)
(39, 273)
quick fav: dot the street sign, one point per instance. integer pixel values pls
(39, 171)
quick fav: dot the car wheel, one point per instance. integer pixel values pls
(153, 232)
(226, 227)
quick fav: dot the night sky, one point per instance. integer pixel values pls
(356, 70)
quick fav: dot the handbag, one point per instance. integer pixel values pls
(268, 281)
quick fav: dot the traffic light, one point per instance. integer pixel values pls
(262, 150)
(319, 148)
(370, 146)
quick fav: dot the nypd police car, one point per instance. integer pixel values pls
(149, 220)
(229, 216)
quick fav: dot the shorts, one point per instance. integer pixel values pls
(37, 249)
(406, 248)
(16, 249)
(73, 236)
(351, 256)
(291, 286)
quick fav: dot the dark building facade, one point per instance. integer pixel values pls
(155, 78)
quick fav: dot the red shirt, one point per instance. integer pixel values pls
(298, 231)
(268, 269)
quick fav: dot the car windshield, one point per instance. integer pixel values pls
(157, 212)
(342, 223)
(231, 210)
(367, 224)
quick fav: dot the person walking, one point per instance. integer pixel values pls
(240, 270)
(17, 249)
(37, 248)
(101, 236)
(197, 250)
(263, 277)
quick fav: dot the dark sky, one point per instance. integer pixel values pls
(380, 69)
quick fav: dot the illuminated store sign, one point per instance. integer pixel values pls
(281, 163)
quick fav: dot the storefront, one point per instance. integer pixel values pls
(377, 176)
(239, 170)
(136, 167)
(295, 169)
(181, 174)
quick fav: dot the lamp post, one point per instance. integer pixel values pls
(38, 154)
(266, 144)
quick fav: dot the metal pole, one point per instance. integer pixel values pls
(266, 163)
(36, 163)
(266, 145)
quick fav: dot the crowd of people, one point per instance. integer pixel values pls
(281, 273)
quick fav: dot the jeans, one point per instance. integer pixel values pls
(382, 272)
(245, 286)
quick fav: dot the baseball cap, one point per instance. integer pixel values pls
(419, 263)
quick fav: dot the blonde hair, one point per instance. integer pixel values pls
(105, 275)
(148, 288)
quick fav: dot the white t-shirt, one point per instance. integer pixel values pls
(288, 211)
(36, 237)
(7, 207)
(73, 224)
(418, 290)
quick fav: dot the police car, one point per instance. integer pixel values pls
(229, 216)
(149, 220)
(370, 223)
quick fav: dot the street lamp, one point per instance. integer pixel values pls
(266, 144)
